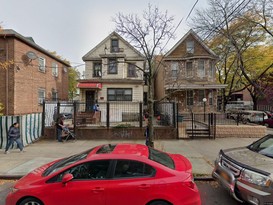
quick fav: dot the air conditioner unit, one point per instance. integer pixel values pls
(41, 101)
(55, 74)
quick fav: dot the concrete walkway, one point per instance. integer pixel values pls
(201, 153)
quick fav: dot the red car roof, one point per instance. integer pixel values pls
(122, 149)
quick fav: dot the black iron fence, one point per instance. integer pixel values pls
(108, 114)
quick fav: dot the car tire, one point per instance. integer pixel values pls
(159, 202)
(266, 124)
(31, 200)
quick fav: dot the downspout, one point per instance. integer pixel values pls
(7, 78)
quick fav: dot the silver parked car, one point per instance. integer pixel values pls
(247, 172)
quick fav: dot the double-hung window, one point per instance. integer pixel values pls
(119, 94)
(112, 66)
(189, 97)
(174, 69)
(114, 46)
(201, 95)
(131, 72)
(42, 64)
(189, 69)
(211, 97)
(54, 95)
(41, 95)
(55, 69)
(97, 69)
(190, 47)
(201, 69)
(211, 69)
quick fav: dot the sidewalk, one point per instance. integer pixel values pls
(201, 153)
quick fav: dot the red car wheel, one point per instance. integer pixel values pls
(31, 200)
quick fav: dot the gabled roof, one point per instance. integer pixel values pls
(85, 57)
(191, 32)
(30, 42)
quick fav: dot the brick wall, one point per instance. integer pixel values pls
(240, 131)
(25, 80)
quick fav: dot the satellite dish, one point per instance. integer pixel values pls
(65, 69)
(31, 55)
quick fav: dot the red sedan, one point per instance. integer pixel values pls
(110, 174)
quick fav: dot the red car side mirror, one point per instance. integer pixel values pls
(66, 178)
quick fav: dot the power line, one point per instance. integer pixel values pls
(192, 9)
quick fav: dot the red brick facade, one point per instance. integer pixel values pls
(21, 82)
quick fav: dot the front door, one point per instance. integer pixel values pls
(90, 100)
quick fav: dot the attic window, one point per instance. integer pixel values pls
(190, 47)
(114, 46)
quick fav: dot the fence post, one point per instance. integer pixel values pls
(43, 119)
(177, 123)
(107, 115)
(214, 125)
(75, 117)
(140, 115)
(58, 109)
(192, 120)
(174, 115)
(209, 122)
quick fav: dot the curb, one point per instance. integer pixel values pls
(11, 177)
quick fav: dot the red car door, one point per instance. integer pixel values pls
(84, 192)
(132, 183)
(87, 187)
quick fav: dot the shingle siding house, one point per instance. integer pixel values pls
(189, 76)
(33, 76)
(113, 73)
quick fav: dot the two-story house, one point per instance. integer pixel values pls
(113, 73)
(32, 76)
(189, 75)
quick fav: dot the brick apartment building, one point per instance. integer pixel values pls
(33, 75)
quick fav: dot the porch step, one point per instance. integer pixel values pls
(198, 133)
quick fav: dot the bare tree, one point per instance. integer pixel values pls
(149, 35)
(260, 13)
(229, 22)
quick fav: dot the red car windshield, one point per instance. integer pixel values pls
(65, 162)
(161, 158)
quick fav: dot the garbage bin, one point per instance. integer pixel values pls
(180, 118)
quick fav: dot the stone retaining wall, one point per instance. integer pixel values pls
(240, 131)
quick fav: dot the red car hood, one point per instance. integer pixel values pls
(34, 176)
(181, 163)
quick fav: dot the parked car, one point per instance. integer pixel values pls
(247, 172)
(110, 174)
(255, 116)
(268, 122)
(269, 114)
(251, 116)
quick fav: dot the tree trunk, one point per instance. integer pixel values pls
(151, 109)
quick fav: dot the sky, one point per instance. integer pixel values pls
(73, 27)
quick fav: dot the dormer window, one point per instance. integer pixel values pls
(114, 46)
(190, 47)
